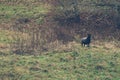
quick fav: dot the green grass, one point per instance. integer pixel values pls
(94, 63)
(6, 36)
(11, 12)
(80, 64)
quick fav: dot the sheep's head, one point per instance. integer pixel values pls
(89, 35)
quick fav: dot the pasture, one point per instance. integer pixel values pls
(56, 60)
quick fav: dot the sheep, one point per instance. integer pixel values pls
(86, 40)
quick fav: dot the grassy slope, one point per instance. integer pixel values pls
(12, 11)
(9, 13)
(95, 63)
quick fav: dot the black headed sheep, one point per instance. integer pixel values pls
(86, 40)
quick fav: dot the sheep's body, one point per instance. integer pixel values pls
(86, 40)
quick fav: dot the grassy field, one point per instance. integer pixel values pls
(94, 63)
(9, 13)
(101, 61)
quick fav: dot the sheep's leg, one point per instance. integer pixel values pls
(88, 45)
(81, 43)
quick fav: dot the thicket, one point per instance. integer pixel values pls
(66, 12)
